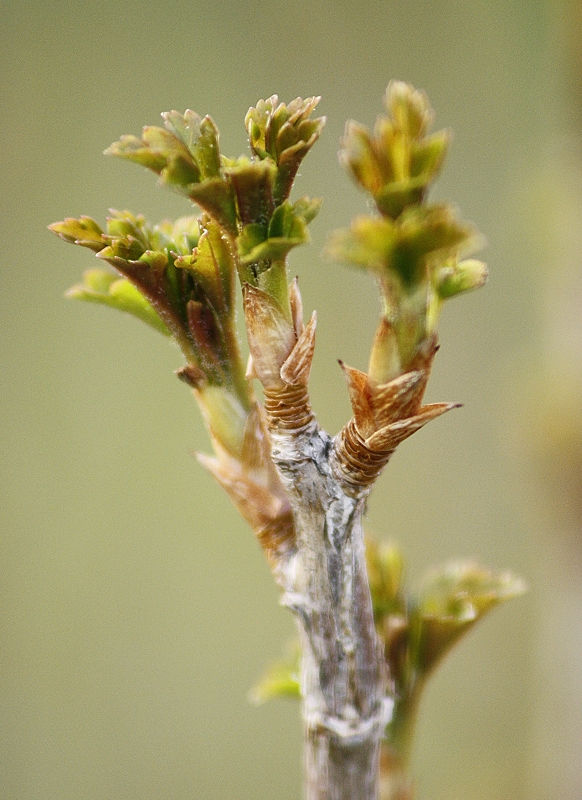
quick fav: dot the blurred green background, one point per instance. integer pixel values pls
(135, 608)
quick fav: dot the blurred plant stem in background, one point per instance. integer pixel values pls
(553, 438)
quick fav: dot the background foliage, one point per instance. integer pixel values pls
(136, 608)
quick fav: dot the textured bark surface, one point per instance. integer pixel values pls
(344, 682)
(305, 495)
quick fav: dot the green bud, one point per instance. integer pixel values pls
(452, 599)
(264, 124)
(284, 135)
(462, 276)
(396, 162)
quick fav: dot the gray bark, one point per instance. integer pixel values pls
(344, 681)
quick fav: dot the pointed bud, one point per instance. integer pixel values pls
(397, 399)
(392, 435)
(267, 513)
(250, 373)
(377, 406)
(256, 504)
(256, 447)
(359, 392)
(296, 305)
(295, 370)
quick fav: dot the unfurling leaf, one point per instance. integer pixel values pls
(83, 231)
(200, 137)
(284, 135)
(253, 183)
(100, 286)
(287, 229)
(186, 156)
(451, 600)
(409, 249)
(212, 266)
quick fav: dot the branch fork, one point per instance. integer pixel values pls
(367, 649)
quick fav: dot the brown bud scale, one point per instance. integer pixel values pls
(360, 466)
(288, 408)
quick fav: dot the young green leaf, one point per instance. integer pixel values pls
(451, 600)
(100, 286)
(281, 679)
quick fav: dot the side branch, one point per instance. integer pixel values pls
(384, 415)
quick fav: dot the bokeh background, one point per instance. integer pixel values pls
(135, 608)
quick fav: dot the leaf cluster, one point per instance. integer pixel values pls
(247, 198)
(413, 248)
(178, 277)
(183, 276)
